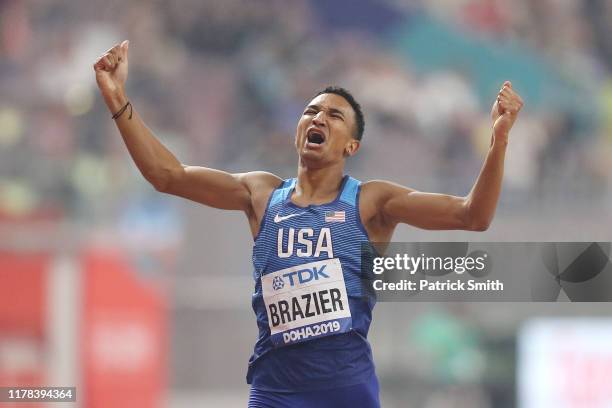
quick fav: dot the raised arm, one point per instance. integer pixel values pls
(392, 203)
(157, 164)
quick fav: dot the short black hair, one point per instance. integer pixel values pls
(354, 104)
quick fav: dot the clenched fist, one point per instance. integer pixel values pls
(111, 71)
(505, 110)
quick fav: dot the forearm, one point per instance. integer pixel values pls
(482, 200)
(153, 159)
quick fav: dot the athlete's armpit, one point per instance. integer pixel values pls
(260, 185)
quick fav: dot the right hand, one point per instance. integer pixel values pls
(112, 70)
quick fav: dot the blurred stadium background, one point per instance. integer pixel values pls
(143, 300)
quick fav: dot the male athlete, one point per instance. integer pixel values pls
(313, 319)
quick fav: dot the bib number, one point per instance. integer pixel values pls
(305, 302)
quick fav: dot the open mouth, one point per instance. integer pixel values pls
(315, 137)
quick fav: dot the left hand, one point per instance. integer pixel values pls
(505, 110)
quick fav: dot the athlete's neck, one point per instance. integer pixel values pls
(317, 186)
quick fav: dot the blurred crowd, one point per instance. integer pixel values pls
(222, 83)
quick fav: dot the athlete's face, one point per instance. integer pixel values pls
(325, 131)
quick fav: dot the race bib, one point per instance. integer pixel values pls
(306, 302)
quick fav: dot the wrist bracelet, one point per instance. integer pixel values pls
(120, 112)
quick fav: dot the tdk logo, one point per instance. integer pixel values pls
(306, 275)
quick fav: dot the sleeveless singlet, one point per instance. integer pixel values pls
(311, 300)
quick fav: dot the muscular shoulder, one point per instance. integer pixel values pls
(258, 181)
(260, 185)
(375, 194)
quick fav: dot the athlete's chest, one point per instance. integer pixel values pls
(310, 232)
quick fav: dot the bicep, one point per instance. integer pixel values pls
(424, 210)
(211, 187)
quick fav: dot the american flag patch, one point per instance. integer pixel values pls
(334, 216)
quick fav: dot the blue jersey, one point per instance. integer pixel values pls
(313, 313)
